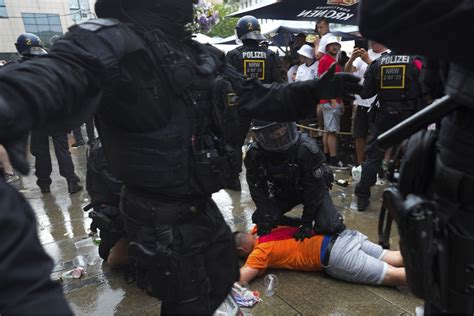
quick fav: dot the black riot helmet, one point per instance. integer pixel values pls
(28, 44)
(275, 136)
(180, 11)
(248, 28)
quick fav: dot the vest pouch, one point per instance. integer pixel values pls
(420, 247)
(213, 161)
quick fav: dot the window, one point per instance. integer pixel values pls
(44, 25)
(3, 9)
(80, 9)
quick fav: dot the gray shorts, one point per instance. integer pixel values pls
(354, 258)
(332, 117)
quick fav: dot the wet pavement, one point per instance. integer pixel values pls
(62, 224)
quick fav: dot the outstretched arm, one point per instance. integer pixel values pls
(289, 102)
(247, 274)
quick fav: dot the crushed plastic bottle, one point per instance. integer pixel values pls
(356, 173)
(271, 283)
(75, 273)
(80, 262)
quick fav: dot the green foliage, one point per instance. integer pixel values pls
(226, 26)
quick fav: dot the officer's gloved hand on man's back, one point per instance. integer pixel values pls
(341, 85)
(306, 231)
(264, 228)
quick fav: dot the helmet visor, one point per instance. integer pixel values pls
(277, 137)
(35, 51)
(255, 35)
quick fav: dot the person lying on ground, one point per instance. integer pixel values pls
(348, 256)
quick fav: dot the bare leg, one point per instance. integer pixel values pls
(319, 116)
(5, 161)
(360, 147)
(118, 254)
(332, 144)
(395, 276)
(393, 258)
(387, 154)
(325, 143)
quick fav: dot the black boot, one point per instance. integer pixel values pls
(44, 188)
(362, 203)
(74, 187)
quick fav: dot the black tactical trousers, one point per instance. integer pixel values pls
(39, 145)
(244, 123)
(199, 233)
(373, 154)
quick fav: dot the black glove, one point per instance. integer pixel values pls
(264, 228)
(328, 177)
(341, 85)
(306, 231)
(17, 153)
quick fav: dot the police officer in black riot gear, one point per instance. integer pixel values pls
(151, 89)
(29, 46)
(394, 78)
(253, 61)
(433, 201)
(286, 168)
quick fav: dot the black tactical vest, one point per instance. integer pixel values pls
(155, 120)
(397, 79)
(254, 62)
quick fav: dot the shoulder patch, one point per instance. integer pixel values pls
(309, 143)
(97, 24)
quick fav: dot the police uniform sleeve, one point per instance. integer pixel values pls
(276, 68)
(257, 184)
(62, 88)
(25, 283)
(370, 81)
(232, 58)
(67, 81)
(313, 178)
(283, 102)
(425, 27)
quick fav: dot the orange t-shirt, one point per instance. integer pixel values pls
(287, 254)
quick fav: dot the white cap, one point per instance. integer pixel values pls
(306, 51)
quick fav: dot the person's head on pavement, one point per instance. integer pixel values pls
(244, 243)
(306, 54)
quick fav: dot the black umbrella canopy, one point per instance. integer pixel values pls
(335, 11)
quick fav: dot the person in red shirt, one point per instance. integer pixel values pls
(332, 109)
(348, 256)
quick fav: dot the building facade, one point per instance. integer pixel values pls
(45, 18)
(244, 4)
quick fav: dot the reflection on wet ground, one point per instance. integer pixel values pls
(62, 224)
